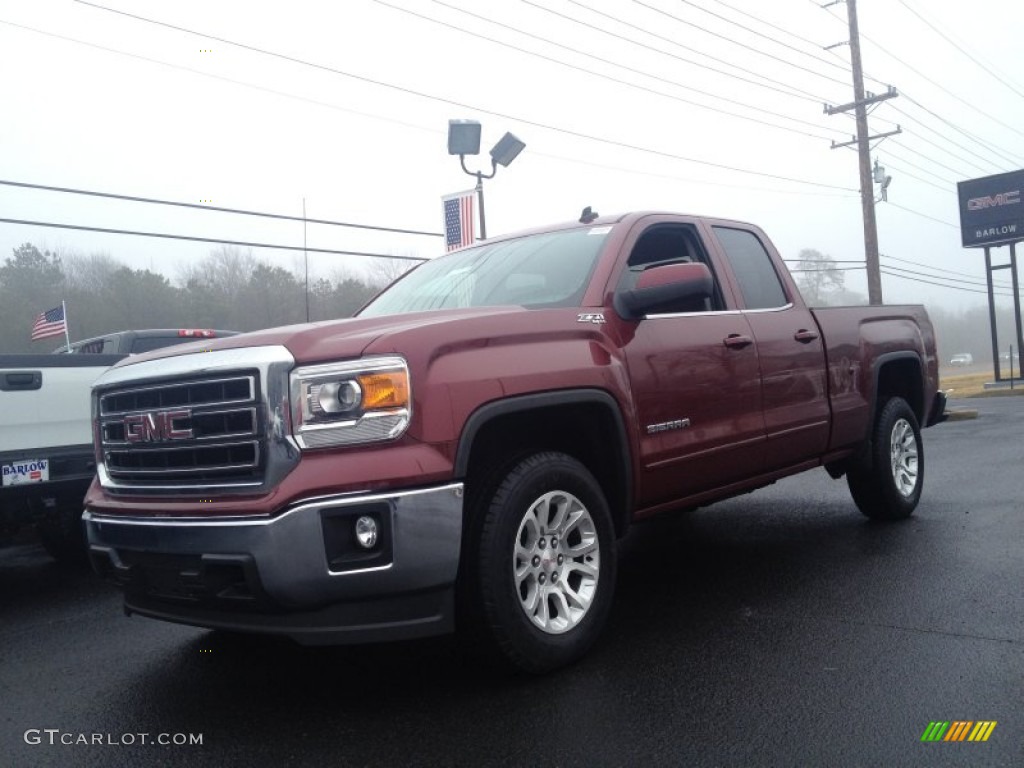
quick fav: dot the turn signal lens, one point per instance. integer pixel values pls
(385, 390)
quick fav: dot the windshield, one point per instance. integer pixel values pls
(551, 269)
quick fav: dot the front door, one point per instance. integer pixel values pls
(695, 379)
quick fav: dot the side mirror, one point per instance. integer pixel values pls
(660, 286)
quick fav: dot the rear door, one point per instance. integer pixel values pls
(694, 375)
(790, 349)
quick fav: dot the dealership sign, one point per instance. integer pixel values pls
(992, 210)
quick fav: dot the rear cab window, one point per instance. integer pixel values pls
(753, 269)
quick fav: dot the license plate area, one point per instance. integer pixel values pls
(25, 472)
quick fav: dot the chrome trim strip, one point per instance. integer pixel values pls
(770, 309)
(142, 489)
(217, 362)
(319, 501)
(790, 305)
(251, 410)
(179, 471)
(179, 385)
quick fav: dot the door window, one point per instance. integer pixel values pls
(759, 282)
(670, 244)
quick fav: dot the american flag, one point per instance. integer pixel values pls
(49, 323)
(458, 220)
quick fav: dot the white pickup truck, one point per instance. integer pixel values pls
(46, 454)
(46, 443)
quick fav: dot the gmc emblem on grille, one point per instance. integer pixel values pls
(157, 427)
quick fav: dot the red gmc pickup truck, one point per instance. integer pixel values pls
(467, 450)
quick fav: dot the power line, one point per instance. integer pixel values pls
(785, 91)
(167, 236)
(212, 76)
(938, 85)
(215, 208)
(939, 147)
(970, 279)
(706, 182)
(814, 44)
(939, 269)
(758, 33)
(901, 145)
(973, 137)
(829, 269)
(736, 42)
(462, 105)
(988, 145)
(610, 77)
(824, 268)
(904, 172)
(999, 78)
(944, 137)
(923, 215)
(978, 283)
(886, 271)
(623, 23)
(402, 123)
(912, 164)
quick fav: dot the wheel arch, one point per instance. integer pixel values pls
(584, 423)
(899, 374)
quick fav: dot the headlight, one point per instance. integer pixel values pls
(360, 401)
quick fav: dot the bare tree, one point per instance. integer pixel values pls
(383, 272)
(818, 277)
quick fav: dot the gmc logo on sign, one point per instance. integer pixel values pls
(993, 201)
(157, 427)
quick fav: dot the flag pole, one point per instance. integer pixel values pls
(67, 336)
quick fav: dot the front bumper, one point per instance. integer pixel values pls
(298, 574)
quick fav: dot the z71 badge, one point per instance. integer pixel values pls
(590, 317)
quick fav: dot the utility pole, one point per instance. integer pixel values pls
(859, 105)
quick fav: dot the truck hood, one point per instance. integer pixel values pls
(335, 339)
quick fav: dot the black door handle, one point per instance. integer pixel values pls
(11, 382)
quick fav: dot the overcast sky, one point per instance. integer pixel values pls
(623, 105)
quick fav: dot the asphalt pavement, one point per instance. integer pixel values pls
(777, 629)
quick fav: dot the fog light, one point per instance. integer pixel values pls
(366, 532)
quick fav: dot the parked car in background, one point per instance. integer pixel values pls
(136, 342)
(962, 359)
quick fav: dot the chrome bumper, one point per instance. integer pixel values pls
(300, 573)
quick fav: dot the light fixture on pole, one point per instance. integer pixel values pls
(464, 139)
(883, 182)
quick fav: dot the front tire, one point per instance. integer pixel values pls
(887, 486)
(543, 565)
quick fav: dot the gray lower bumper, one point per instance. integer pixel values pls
(300, 573)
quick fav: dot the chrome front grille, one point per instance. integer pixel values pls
(191, 434)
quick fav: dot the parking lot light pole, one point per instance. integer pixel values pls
(464, 139)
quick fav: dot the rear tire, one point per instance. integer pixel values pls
(541, 567)
(887, 486)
